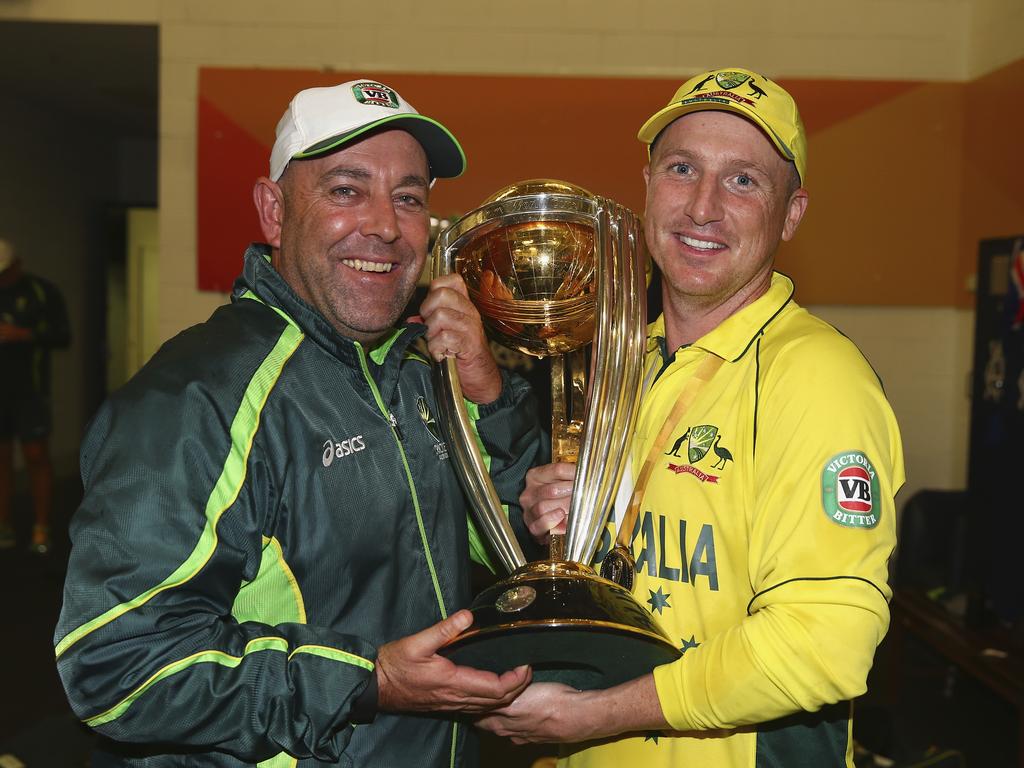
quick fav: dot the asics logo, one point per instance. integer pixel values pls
(340, 449)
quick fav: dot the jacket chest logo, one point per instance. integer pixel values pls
(700, 444)
(339, 449)
(430, 424)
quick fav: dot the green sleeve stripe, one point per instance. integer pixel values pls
(273, 596)
(280, 760)
(226, 660)
(477, 550)
(417, 357)
(334, 654)
(473, 410)
(202, 657)
(225, 491)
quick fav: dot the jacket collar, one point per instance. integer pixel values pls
(260, 277)
(731, 339)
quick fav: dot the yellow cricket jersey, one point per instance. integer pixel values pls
(762, 542)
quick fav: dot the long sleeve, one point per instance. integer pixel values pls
(155, 641)
(821, 527)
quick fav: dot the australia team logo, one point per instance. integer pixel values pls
(430, 423)
(849, 490)
(700, 442)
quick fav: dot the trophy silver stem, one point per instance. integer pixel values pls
(615, 394)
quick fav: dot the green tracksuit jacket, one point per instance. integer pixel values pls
(266, 503)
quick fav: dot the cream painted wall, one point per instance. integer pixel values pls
(923, 355)
(997, 35)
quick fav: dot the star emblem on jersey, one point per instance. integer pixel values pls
(688, 644)
(658, 600)
(849, 490)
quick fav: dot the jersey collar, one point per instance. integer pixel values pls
(731, 339)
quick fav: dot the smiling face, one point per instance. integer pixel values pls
(719, 200)
(350, 230)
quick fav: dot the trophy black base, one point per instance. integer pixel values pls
(570, 625)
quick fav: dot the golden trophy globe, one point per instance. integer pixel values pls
(556, 272)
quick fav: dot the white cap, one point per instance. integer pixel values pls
(320, 120)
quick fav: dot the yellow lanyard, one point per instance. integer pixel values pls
(704, 373)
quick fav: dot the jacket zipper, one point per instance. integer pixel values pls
(393, 421)
(394, 426)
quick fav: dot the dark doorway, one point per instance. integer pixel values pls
(78, 139)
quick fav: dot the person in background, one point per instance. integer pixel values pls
(33, 321)
(766, 514)
(273, 544)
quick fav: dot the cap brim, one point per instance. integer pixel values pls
(444, 153)
(659, 121)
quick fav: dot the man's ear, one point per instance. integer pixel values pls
(794, 213)
(269, 201)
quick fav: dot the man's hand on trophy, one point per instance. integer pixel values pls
(546, 712)
(545, 500)
(454, 329)
(553, 712)
(413, 677)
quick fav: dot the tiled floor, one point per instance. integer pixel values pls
(934, 705)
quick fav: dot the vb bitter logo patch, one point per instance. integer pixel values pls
(849, 490)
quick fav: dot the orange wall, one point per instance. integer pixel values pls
(992, 183)
(904, 177)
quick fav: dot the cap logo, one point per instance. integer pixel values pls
(850, 490)
(727, 80)
(731, 80)
(375, 94)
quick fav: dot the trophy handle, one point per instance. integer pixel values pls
(464, 444)
(614, 399)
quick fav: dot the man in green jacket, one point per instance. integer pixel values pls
(273, 544)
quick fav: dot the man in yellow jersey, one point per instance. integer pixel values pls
(764, 530)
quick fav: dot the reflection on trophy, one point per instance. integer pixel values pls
(554, 270)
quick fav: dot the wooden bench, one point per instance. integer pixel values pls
(980, 655)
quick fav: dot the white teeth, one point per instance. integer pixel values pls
(703, 245)
(367, 266)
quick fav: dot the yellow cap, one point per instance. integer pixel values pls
(760, 100)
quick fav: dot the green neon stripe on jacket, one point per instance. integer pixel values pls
(273, 596)
(203, 657)
(477, 548)
(408, 476)
(280, 760)
(380, 352)
(225, 660)
(225, 491)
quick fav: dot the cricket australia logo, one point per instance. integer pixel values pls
(375, 94)
(440, 446)
(849, 490)
(698, 442)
